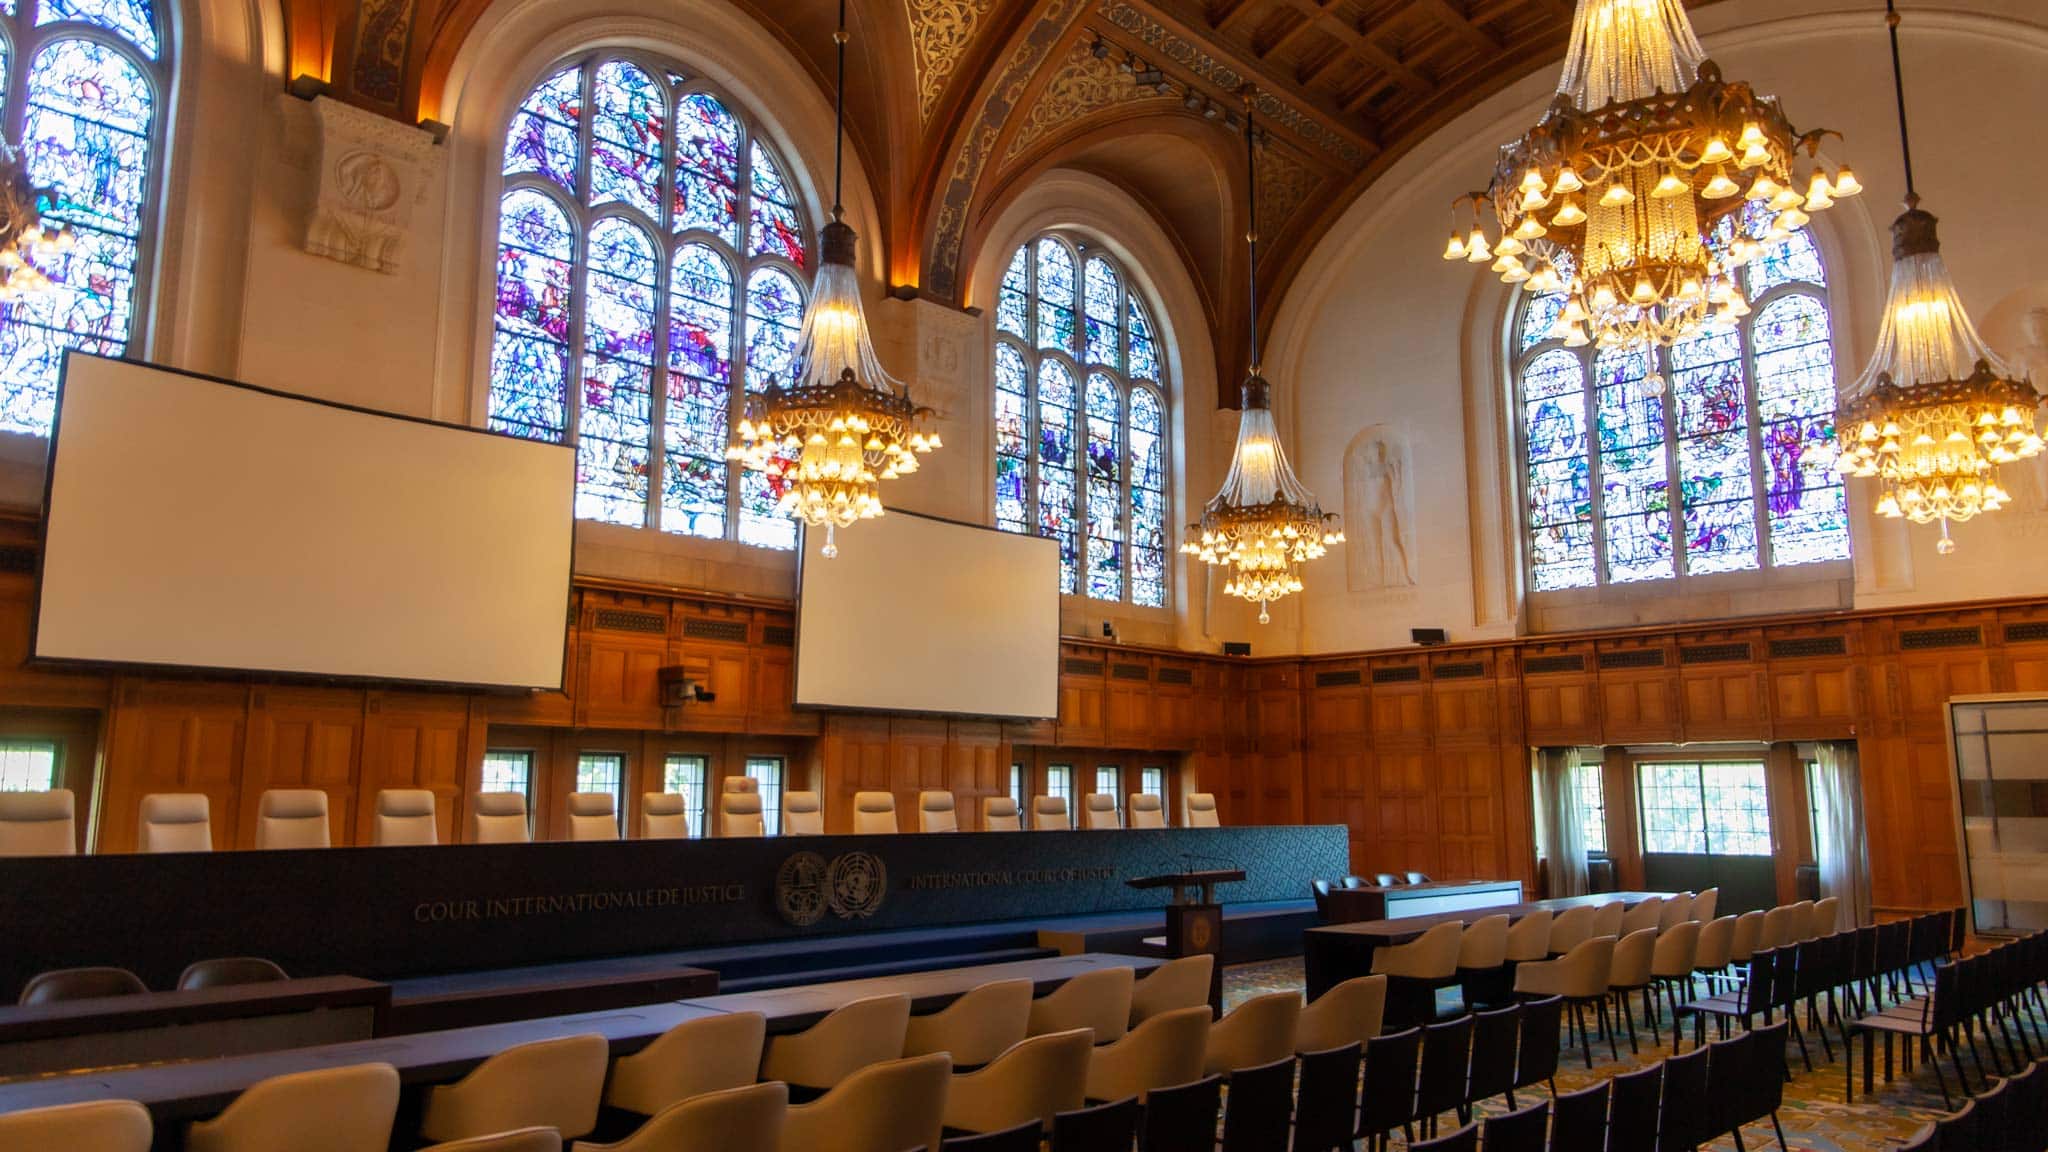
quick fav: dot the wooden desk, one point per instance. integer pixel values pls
(189, 1025)
(1398, 902)
(469, 999)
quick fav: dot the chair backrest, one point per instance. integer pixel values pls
(1110, 1127)
(1255, 1033)
(1388, 1100)
(1801, 926)
(977, 1027)
(80, 984)
(1728, 1093)
(1517, 1131)
(346, 1109)
(1542, 1033)
(1749, 928)
(292, 818)
(711, 1054)
(1049, 814)
(1716, 944)
(874, 812)
(1418, 877)
(1350, 1013)
(1179, 983)
(1677, 947)
(405, 816)
(739, 814)
(1035, 1080)
(1608, 918)
(1648, 914)
(1465, 1139)
(1579, 1119)
(739, 785)
(1200, 811)
(1446, 1048)
(228, 971)
(1147, 811)
(1570, 928)
(1706, 904)
(40, 823)
(1632, 1117)
(803, 814)
(1778, 930)
(1183, 1117)
(889, 1106)
(1260, 1101)
(1580, 974)
(98, 1125)
(499, 818)
(175, 822)
(745, 1116)
(663, 816)
(1484, 943)
(536, 1139)
(867, 1031)
(1826, 914)
(1326, 1115)
(999, 814)
(1684, 1116)
(1677, 910)
(1529, 937)
(1492, 1069)
(1631, 966)
(935, 812)
(1430, 956)
(1099, 811)
(1166, 1050)
(1098, 1000)
(554, 1083)
(593, 816)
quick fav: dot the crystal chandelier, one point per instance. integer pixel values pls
(843, 425)
(1622, 195)
(25, 234)
(1936, 412)
(1264, 523)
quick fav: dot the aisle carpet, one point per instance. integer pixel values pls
(1814, 1116)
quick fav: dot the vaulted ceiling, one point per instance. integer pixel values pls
(955, 105)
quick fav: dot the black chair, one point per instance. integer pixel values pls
(1579, 1119)
(62, 984)
(1536, 1055)
(1493, 1056)
(1111, 1127)
(1729, 1094)
(1632, 1118)
(1928, 1139)
(226, 971)
(1023, 1138)
(1320, 889)
(1182, 1118)
(1388, 1101)
(1961, 1129)
(1767, 1075)
(1465, 1139)
(1261, 1100)
(1518, 1131)
(1446, 1049)
(1326, 1100)
(1685, 1122)
(1994, 1117)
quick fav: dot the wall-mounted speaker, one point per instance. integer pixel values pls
(1236, 648)
(1429, 637)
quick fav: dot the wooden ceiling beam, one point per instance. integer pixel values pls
(1450, 17)
(1364, 46)
(1223, 16)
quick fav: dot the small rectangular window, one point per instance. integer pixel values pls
(603, 772)
(1705, 809)
(1152, 782)
(1059, 781)
(1593, 804)
(1109, 781)
(766, 771)
(685, 776)
(28, 765)
(1017, 795)
(508, 770)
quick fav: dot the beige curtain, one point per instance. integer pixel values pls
(1561, 820)
(1840, 848)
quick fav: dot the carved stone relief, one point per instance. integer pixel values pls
(370, 173)
(1379, 510)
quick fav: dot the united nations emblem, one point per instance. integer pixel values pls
(800, 889)
(856, 884)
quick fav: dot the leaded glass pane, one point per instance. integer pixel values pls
(132, 20)
(1716, 485)
(1013, 423)
(1795, 370)
(1056, 497)
(1738, 810)
(707, 168)
(615, 426)
(775, 314)
(529, 353)
(1673, 822)
(1144, 349)
(1013, 310)
(772, 228)
(542, 137)
(1789, 261)
(1105, 489)
(628, 123)
(1635, 482)
(699, 390)
(1560, 476)
(1102, 294)
(1540, 318)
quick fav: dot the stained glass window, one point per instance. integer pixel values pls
(85, 112)
(1686, 461)
(1081, 421)
(651, 257)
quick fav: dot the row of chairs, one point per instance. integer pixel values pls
(1996, 993)
(62, 984)
(2010, 1115)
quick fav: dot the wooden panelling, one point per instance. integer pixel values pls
(304, 738)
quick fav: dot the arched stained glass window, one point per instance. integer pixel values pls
(1080, 421)
(86, 111)
(1686, 461)
(644, 223)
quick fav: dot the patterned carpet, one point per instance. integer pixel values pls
(1814, 1115)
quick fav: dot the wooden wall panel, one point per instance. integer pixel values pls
(417, 741)
(173, 738)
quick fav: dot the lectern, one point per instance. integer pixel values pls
(1194, 921)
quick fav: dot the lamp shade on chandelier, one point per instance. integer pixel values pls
(831, 435)
(26, 236)
(1627, 194)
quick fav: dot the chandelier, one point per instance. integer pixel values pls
(1264, 523)
(1625, 195)
(26, 236)
(842, 425)
(1936, 412)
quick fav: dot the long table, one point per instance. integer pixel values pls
(467, 999)
(1400, 901)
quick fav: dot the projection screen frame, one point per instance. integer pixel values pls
(67, 663)
(796, 665)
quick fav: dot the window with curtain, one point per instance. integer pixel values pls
(84, 84)
(1705, 809)
(1688, 461)
(1080, 420)
(685, 776)
(651, 254)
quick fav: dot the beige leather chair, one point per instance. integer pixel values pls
(1430, 956)
(741, 785)
(499, 818)
(1099, 1001)
(1199, 811)
(175, 822)
(1181, 983)
(867, 1031)
(1350, 1013)
(404, 816)
(1826, 914)
(1580, 976)
(1705, 904)
(1570, 928)
(230, 971)
(977, 1027)
(1672, 962)
(690, 1059)
(1147, 811)
(1049, 814)
(874, 812)
(1035, 1080)
(80, 984)
(593, 816)
(1253, 1034)
(1529, 937)
(38, 823)
(553, 1083)
(1648, 914)
(999, 814)
(1780, 928)
(730, 1120)
(935, 812)
(663, 816)
(330, 1110)
(739, 814)
(517, 1140)
(292, 818)
(1629, 971)
(1098, 811)
(888, 1107)
(1801, 924)
(95, 1125)
(1160, 1053)
(1749, 928)
(1483, 946)
(1716, 947)
(803, 814)
(1677, 910)
(1608, 917)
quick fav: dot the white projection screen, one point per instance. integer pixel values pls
(924, 615)
(199, 524)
